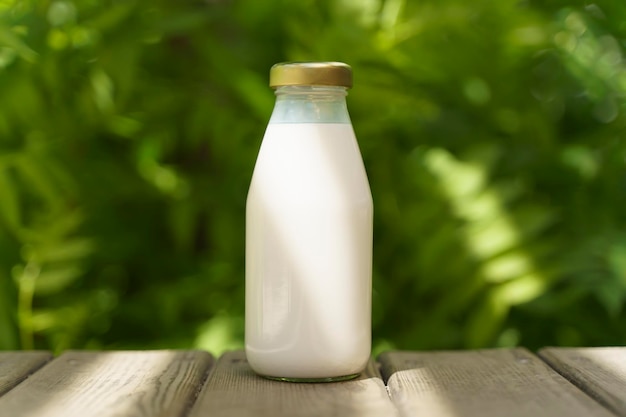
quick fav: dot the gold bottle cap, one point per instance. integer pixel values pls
(311, 73)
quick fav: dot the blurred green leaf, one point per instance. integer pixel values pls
(110, 18)
(67, 250)
(9, 39)
(485, 321)
(54, 279)
(8, 334)
(9, 207)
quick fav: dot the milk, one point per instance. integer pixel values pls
(308, 253)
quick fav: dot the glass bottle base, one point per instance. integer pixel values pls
(314, 380)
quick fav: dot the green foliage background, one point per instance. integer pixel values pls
(492, 132)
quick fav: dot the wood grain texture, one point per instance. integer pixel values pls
(17, 366)
(600, 372)
(234, 390)
(103, 384)
(487, 383)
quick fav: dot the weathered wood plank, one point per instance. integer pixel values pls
(234, 390)
(487, 383)
(103, 384)
(17, 366)
(600, 372)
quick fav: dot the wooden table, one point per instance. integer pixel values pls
(588, 382)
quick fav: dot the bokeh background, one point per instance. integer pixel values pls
(492, 133)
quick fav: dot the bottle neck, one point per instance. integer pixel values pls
(310, 104)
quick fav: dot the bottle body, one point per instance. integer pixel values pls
(309, 245)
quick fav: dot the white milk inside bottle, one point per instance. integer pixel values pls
(309, 234)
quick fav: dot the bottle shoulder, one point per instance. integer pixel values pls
(311, 161)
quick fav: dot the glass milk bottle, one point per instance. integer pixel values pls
(309, 233)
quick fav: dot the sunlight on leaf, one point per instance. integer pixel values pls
(581, 159)
(73, 248)
(507, 266)
(103, 90)
(521, 290)
(11, 40)
(509, 338)
(477, 91)
(7, 56)
(528, 35)
(218, 335)
(61, 13)
(58, 39)
(382, 345)
(54, 279)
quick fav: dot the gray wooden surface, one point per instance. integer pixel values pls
(487, 383)
(16, 366)
(233, 390)
(84, 384)
(600, 372)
